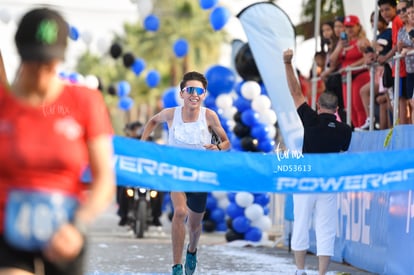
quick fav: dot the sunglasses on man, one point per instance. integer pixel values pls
(194, 90)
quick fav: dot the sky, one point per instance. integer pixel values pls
(97, 20)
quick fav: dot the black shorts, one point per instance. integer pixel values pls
(196, 201)
(14, 258)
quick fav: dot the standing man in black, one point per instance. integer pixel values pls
(322, 134)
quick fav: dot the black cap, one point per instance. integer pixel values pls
(42, 35)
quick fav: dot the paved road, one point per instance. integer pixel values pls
(113, 250)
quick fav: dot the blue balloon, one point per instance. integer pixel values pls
(242, 104)
(240, 224)
(263, 89)
(138, 66)
(125, 103)
(74, 77)
(260, 131)
(249, 117)
(168, 98)
(220, 80)
(151, 23)
(266, 145)
(207, 4)
(221, 226)
(234, 211)
(181, 47)
(266, 210)
(231, 196)
(219, 17)
(218, 215)
(123, 88)
(254, 234)
(153, 78)
(211, 203)
(210, 101)
(73, 33)
(237, 87)
(262, 198)
(236, 143)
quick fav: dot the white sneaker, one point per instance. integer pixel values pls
(365, 126)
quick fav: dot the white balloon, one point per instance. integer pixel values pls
(231, 124)
(265, 237)
(261, 103)
(250, 89)
(5, 16)
(268, 117)
(102, 44)
(224, 101)
(178, 98)
(80, 80)
(145, 7)
(272, 132)
(264, 223)
(219, 194)
(244, 199)
(91, 81)
(223, 203)
(254, 212)
(87, 37)
(229, 112)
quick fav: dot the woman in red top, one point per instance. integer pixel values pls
(349, 52)
(49, 132)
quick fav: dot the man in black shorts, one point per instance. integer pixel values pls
(189, 126)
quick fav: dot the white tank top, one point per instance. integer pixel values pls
(189, 134)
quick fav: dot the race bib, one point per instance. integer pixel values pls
(32, 217)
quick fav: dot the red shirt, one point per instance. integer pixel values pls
(350, 55)
(397, 24)
(44, 148)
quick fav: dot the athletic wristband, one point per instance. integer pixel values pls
(218, 147)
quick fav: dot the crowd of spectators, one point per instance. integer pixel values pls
(345, 47)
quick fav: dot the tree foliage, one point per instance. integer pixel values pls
(178, 19)
(329, 9)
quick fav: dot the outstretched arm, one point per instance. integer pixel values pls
(293, 83)
(164, 116)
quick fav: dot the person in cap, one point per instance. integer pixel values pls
(322, 134)
(349, 52)
(44, 211)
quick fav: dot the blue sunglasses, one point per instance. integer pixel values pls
(192, 90)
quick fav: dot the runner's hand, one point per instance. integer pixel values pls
(65, 244)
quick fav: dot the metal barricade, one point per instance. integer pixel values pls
(372, 69)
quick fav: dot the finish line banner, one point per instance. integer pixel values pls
(166, 168)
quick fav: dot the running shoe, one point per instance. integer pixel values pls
(177, 269)
(190, 262)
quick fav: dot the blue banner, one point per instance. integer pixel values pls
(374, 228)
(163, 167)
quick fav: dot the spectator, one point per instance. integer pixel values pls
(349, 53)
(339, 26)
(322, 134)
(388, 10)
(320, 60)
(41, 168)
(380, 47)
(405, 45)
(330, 75)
